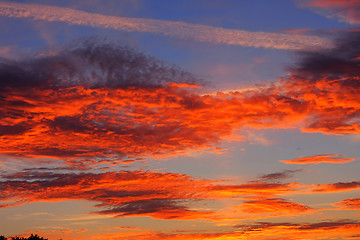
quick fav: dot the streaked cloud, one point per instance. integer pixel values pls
(316, 159)
(301, 231)
(345, 229)
(177, 196)
(196, 32)
(337, 187)
(133, 193)
(117, 193)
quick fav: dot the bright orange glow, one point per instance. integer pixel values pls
(141, 121)
(319, 159)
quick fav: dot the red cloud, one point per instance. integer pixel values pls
(85, 103)
(316, 159)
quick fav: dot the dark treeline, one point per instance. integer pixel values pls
(32, 237)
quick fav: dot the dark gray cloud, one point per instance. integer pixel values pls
(91, 63)
(279, 175)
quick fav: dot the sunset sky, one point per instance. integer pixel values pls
(191, 119)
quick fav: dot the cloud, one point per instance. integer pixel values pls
(351, 203)
(337, 187)
(123, 104)
(328, 81)
(267, 207)
(117, 193)
(117, 97)
(341, 229)
(93, 63)
(158, 208)
(328, 225)
(256, 188)
(316, 159)
(6, 51)
(196, 32)
(346, 11)
(133, 193)
(97, 101)
(279, 175)
(300, 231)
(297, 30)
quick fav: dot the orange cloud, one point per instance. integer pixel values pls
(342, 229)
(120, 194)
(328, 82)
(337, 187)
(321, 230)
(274, 207)
(316, 159)
(257, 188)
(127, 117)
(133, 193)
(351, 203)
(111, 101)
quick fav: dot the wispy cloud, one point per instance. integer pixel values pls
(117, 193)
(196, 32)
(316, 159)
(347, 11)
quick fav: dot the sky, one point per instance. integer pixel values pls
(145, 119)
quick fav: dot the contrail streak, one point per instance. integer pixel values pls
(183, 30)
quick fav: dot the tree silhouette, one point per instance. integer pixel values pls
(32, 237)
